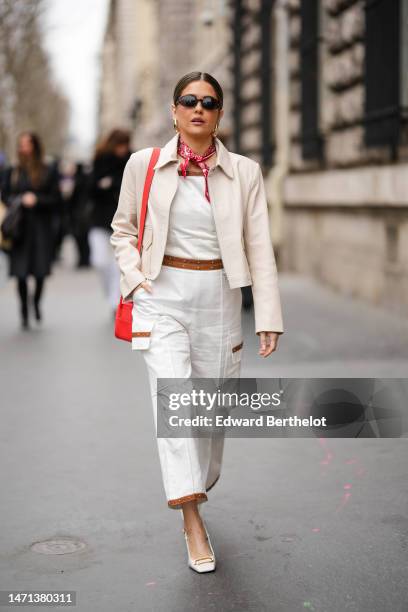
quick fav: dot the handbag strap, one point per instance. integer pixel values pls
(146, 190)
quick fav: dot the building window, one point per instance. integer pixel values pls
(309, 79)
(383, 61)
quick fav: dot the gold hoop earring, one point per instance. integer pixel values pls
(175, 124)
(215, 132)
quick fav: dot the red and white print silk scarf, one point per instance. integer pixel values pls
(188, 154)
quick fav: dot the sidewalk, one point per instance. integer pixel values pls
(328, 335)
(296, 524)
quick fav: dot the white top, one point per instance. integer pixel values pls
(192, 231)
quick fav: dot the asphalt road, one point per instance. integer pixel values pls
(296, 524)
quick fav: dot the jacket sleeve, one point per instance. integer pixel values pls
(125, 234)
(261, 259)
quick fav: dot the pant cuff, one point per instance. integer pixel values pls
(177, 503)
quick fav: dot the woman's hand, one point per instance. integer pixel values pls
(105, 182)
(145, 285)
(268, 341)
(29, 199)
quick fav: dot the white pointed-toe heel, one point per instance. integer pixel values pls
(201, 564)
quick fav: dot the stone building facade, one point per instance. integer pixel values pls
(129, 64)
(346, 205)
(260, 95)
(329, 126)
(316, 91)
(148, 46)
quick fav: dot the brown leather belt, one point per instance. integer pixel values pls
(192, 264)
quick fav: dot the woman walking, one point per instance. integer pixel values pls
(36, 185)
(109, 162)
(206, 235)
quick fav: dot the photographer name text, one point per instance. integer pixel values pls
(261, 420)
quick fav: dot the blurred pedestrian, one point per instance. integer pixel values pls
(109, 163)
(35, 183)
(3, 165)
(3, 211)
(59, 219)
(74, 188)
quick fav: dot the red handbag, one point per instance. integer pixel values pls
(123, 317)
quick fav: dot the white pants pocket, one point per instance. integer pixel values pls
(142, 328)
(236, 343)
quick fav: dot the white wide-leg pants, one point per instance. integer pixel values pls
(189, 326)
(102, 258)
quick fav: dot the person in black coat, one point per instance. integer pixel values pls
(109, 163)
(74, 187)
(36, 183)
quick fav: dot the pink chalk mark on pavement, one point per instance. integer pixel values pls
(346, 497)
(344, 500)
(329, 455)
(360, 471)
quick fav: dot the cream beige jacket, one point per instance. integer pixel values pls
(241, 219)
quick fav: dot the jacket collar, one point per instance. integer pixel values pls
(168, 153)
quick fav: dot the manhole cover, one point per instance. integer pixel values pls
(58, 546)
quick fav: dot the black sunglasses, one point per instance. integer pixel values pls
(191, 101)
